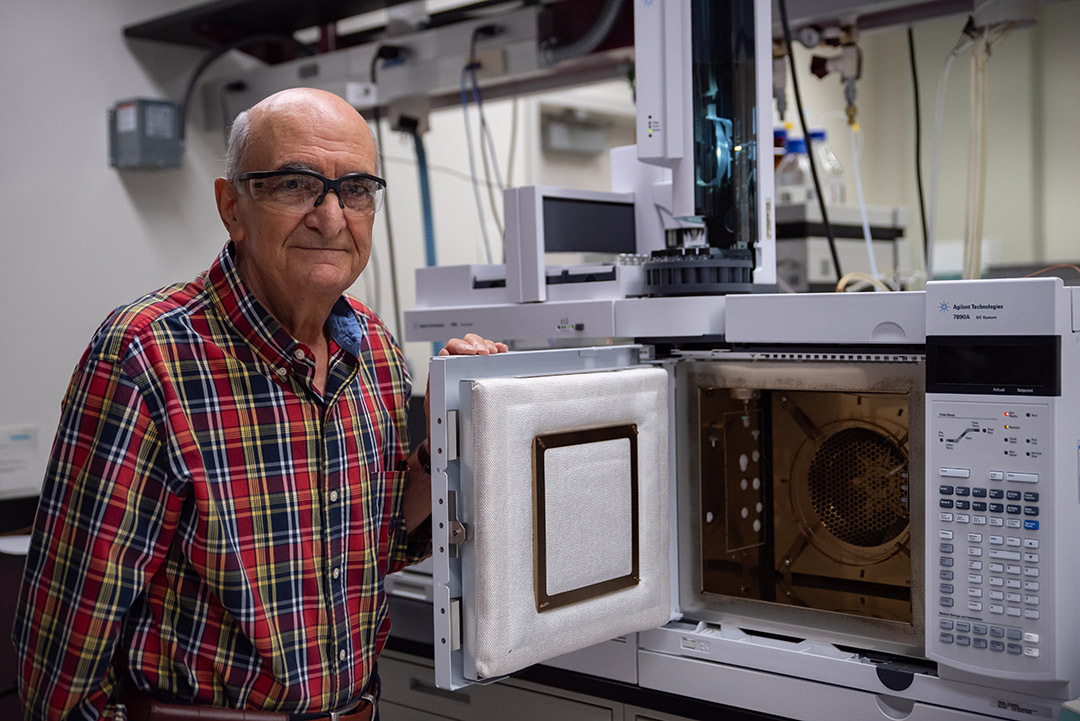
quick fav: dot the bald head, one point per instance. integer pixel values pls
(296, 112)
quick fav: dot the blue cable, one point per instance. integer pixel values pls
(425, 205)
(425, 199)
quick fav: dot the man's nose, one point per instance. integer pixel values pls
(328, 216)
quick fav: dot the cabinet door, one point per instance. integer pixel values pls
(550, 506)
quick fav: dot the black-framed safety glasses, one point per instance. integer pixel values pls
(300, 191)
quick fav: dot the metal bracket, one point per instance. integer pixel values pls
(459, 532)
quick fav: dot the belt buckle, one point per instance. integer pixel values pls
(339, 715)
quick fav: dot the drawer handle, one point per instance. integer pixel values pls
(419, 686)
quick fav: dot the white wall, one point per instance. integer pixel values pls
(81, 237)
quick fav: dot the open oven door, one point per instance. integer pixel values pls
(550, 505)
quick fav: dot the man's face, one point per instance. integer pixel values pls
(290, 259)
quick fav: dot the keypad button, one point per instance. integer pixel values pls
(946, 548)
(1031, 600)
(946, 588)
(974, 578)
(1015, 522)
(975, 592)
(1031, 510)
(1013, 495)
(1013, 611)
(946, 637)
(1031, 572)
(979, 520)
(996, 493)
(963, 626)
(1031, 543)
(997, 540)
(963, 518)
(1031, 497)
(1030, 637)
(1031, 613)
(997, 522)
(1012, 583)
(963, 505)
(963, 491)
(945, 517)
(1012, 541)
(975, 565)
(946, 602)
(974, 551)
(1014, 570)
(978, 492)
(979, 642)
(1012, 597)
(997, 645)
(1012, 509)
(945, 490)
(946, 624)
(945, 575)
(979, 628)
(997, 507)
(997, 581)
(1031, 558)
(997, 632)
(963, 640)
(997, 595)
(1002, 554)
(945, 503)
(975, 605)
(1014, 648)
(997, 609)
(1031, 651)
(997, 476)
(1022, 477)
(954, 472)
(1030, 525)
(997, 567)
(1031, 585)
(975, 537)
(978, 506)
(947, 561)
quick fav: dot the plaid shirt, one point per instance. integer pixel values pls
(211, 522)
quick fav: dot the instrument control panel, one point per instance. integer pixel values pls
(989, 499)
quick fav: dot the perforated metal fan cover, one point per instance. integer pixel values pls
(856, 484)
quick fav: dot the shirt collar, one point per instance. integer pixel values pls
(263, 332)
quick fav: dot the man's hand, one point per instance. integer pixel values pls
(472, 344)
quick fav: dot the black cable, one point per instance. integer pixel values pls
(217, 53)
(387, 52)
(918, 144)
(806, 134)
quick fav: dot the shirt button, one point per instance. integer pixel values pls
(281, 372)
(298, 354)
(337, 572)
(333, 496)
(341, 655)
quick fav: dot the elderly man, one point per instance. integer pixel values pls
(229, 483)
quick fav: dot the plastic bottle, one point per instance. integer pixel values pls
(779, 141)
(830, 172)
(794, 184)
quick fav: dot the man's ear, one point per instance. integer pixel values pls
(228, 203)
